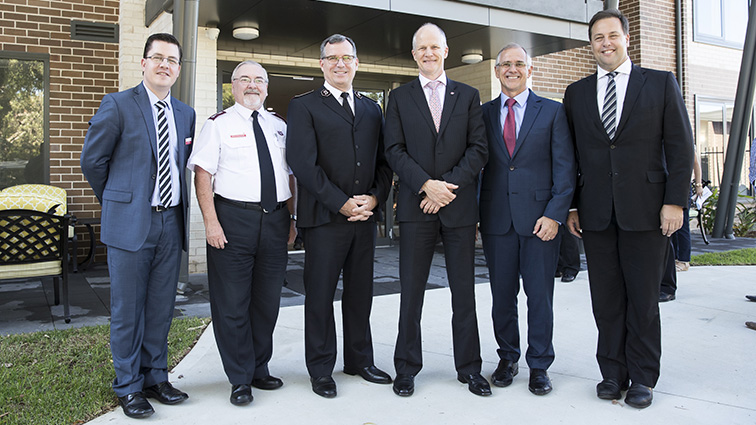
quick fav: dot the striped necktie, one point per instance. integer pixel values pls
(609, 114)
(164, 166)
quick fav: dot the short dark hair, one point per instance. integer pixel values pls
(168, 38)
(336, 39)
(609, 13)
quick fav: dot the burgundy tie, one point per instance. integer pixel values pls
(510, 129)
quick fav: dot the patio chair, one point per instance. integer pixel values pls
(34, 242)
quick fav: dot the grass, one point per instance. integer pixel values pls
(738, 257)
(65, 376)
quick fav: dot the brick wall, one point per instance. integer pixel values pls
(81, 72)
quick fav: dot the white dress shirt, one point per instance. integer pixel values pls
(620, 81)
(172, 150)
(226, 148)
(441, 89)
(521, 101)
(337, 94)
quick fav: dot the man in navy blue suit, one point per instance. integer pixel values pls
(144, 206)
(526, 191)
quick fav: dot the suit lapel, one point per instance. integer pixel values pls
(494, 121)
(329, 100)
(591, 104)
(418, 96)
(634, 87)
(449, 101)
(532, 108)
(144, 106)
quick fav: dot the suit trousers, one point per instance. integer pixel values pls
(417, 246)
(669, 278)
(142, 296)
(245, 280)
(624, 271)
(510, 256)
(330, 249)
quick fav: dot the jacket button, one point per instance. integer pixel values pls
(612, 146)
(358, 163)
(356, 182)
(511, 168)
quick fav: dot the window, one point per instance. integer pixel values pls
(24, 151)
(721, 22)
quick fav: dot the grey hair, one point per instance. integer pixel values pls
(248, 62)
(515, 46)
(426, 25)
(336, 39)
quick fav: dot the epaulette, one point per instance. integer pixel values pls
(279, 116)
(325, 93)
(303, 94)
(214, 116)
(362, 96)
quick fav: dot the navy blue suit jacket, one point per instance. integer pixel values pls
(119, 160)
(538, 180)
(417, 152)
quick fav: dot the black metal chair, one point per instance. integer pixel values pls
(35, 244)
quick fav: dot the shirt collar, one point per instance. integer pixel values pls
(336, 92)
(246, 113)
(624, 68)
(154, 99)
(424, 81)
(520, 99)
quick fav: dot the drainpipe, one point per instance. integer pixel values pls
(679, 43)
(611, 4)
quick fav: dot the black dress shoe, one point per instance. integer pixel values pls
(504, 373)
(370, 374)
(639, 396)
(324, 386)
(558, 273)
(241, 394)
(267, 383)
(165, 393)
(476, 383)
(568, 276)
(539, 383)
(609, 389)
(664, 297)
(135, 405)
(404, 385)
(751, 297)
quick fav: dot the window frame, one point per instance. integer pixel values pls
(714, 40)
(45, 59)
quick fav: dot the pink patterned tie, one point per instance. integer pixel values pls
(434, 102)
(510, 129)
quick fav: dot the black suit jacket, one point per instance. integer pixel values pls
(455, 154)
(647, 165)
(333, 156)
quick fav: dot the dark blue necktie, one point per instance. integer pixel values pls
(268, 197)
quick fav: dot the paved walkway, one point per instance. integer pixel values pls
(707, 374)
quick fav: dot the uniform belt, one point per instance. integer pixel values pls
(247, 205)
(160, 208)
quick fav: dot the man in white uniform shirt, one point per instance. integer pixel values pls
(243, 188)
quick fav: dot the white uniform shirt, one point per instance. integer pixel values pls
(226, 148)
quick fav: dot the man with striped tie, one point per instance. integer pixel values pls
(134, 157)
(635, 155)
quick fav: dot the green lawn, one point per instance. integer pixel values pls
(65, 377)
(738, 257)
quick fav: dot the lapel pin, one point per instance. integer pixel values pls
(188, 141)
(325, 93)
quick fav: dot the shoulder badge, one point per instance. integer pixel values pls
(279, 116)
(303, 94)
(214, 116)
(358, 95)
(325, 93)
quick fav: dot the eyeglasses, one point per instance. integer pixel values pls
(333, 60)
(518, 64)
(257, 80)
(157, 60)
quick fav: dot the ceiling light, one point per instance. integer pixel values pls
(471, 58)
(246, 33)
